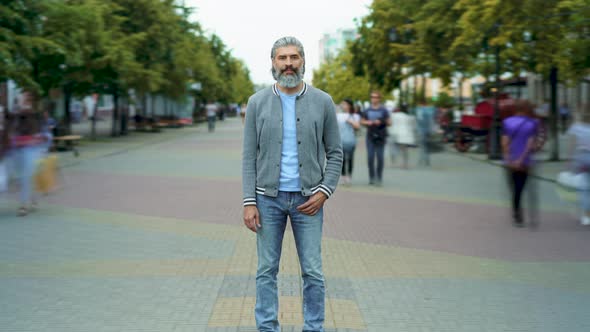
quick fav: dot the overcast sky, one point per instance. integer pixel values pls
(249, 28)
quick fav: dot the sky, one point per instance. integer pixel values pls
(249, 28)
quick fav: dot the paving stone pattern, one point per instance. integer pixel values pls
(146, 235)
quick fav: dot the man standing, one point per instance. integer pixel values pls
(292, 160)
(376, 118)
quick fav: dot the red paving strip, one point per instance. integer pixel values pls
(460, 228)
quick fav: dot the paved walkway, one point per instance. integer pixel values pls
(146, 235)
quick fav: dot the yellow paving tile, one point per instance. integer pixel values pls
(238, 311)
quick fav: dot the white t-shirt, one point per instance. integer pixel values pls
(403, 128)
(211, 109)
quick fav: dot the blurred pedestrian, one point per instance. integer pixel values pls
(243, 112)
(403, 132)
(376, 118)
(542, 111)
(4, 151)
(425, 120)
(211, 109)
(564, 116)
(348, 123)
(579, 133)
(292, 159)
(47, 127)
(518, 145)
(26, 141)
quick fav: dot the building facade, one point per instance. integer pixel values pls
(332, 43)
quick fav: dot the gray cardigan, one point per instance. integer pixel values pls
(319, 148)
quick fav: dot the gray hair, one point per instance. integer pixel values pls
(287, 41)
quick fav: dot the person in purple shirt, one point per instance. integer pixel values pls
(518, 144)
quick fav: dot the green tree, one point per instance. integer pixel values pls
(22, 43)
(337, 78)
(241, 84)
(538, 36)
(379, 51)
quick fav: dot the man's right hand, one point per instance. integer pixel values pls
(251, 217)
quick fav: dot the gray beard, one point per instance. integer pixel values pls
(288, 81)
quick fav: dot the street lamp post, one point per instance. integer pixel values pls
(405, 37)
(67, 97)
(553, 79)
(394, 38)
(495, 149)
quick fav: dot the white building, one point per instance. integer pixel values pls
(332, 43)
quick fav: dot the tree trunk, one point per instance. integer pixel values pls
(554, 156)
(144, 105)
(115, 120)
(423, 87)
(124, 116)
(93, 120)
(579, 92)
(36, 96)
(152, 110)
(495, 148)
(67, 113)
(4, 96)
(461, 92)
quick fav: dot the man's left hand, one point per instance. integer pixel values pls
(313, 204)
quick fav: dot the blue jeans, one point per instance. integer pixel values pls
(25, 160)
(307, 231)
(211, 123)
(375, 150)
(424, 158)
(347, 159)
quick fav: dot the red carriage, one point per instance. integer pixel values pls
(476, 128)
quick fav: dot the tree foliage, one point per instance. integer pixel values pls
(113, 46)
(443, 38)
(336, 78)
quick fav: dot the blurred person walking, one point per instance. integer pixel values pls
(564, 116)
(579, 151)
(211, 109)
(348, 123)
(403, 132)
(518, 146)
(243, 112)
(27, 140)
(292, 158)
(376, 118)
(5, 144)
(47, 127)
(425, 120)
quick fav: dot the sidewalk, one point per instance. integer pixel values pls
(105, 145)
(147, 236)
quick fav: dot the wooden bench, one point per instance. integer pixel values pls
(149, 126)
(68, 142)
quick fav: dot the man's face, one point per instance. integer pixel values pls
(375, 99)
(288, 66)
